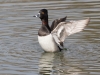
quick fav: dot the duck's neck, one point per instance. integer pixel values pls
(45, 23)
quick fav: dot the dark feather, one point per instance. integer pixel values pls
(56, 22)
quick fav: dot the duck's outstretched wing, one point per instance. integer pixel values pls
(65, 29)
(57, 21)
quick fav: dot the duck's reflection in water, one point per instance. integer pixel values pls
(48, 62)
(56, 64)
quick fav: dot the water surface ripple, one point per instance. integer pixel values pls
(20, 53)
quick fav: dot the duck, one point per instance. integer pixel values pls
(51, 38)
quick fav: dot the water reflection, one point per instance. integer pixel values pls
(46, 63)
(50, 63)
(57, 64)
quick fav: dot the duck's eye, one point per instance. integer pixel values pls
(42, 12)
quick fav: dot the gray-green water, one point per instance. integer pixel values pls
(20, 53)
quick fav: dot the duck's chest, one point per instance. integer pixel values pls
(48, 43)
(43, 31)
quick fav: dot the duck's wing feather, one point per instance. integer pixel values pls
(57, 21)
(65, 29)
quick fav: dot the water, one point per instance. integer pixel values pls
(20, 53)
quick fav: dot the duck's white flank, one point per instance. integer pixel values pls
(48, 43)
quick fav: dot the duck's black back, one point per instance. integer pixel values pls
(56, 22)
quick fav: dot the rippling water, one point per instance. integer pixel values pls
(20, 53)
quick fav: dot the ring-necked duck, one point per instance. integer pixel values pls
(51, 38)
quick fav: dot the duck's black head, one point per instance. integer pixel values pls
(43, 14)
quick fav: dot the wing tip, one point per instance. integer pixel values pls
(87, 20)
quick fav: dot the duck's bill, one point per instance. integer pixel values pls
(38, 15)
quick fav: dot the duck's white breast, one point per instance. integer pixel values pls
(48, 43)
